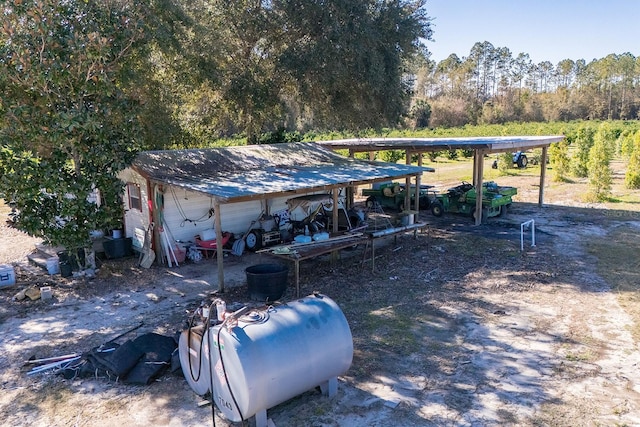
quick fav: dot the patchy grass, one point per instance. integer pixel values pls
(619, 264)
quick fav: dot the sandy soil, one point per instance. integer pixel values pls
(454, 327)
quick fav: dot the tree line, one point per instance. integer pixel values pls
(490, 85)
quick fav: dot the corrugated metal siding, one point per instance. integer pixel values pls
(236, 217)
(186, 214)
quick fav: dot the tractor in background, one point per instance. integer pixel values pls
(519, 159)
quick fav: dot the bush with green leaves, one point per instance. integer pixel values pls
(559, 160)
(452, 154)
(505, 162)
(392, 156)
(67, 124)
(433, 155)
(632, 176)
(599, 164)
(583, 141)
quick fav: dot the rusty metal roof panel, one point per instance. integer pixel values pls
(258, 170)
(489, 143)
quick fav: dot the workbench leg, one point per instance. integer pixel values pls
(373, 256)
(297, 270)
(364, 254)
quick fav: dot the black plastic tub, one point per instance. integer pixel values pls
(267, 282)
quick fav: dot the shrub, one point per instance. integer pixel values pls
(598, 165)
(583, 142)
(559, 159)
(505, 162)
(632, 177)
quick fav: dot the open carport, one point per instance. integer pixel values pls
(481, 146)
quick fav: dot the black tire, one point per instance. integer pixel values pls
(253, 241)
(371, 202)
(436, 209)
(522, 161)
(425, 203)
(503, 211)
(484, 214)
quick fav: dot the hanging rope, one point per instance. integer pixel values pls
(184, 217)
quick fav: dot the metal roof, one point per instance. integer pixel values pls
(492, 144)
(256, 171)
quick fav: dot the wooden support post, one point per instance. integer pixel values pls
(418, 184)
(543, 170)
(335, 218)
(407, 183)
(478, 174)
(351, 190)
(219, 250)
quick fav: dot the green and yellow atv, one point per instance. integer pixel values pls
(496, 200)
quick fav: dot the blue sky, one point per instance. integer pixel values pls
(545, 29)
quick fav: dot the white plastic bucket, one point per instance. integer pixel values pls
(116, 234)
(53, 265)
(7, 275)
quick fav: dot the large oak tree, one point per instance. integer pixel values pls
(67, 126)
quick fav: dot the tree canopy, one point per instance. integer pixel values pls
(67, 127)
(85, 84)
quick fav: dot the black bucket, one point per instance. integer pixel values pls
(66, 269)
(267, 282)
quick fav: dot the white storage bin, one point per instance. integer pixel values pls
(7, 275)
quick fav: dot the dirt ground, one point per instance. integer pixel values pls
(455, 327)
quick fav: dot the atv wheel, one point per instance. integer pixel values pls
(484, 215)
(371, 202)
(436, 209)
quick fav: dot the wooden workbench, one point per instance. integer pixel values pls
(297, 252)
(301, 251)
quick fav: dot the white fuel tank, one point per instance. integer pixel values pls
(275, 354)
(194, 359)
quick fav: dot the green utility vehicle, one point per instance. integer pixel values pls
(391, 195)
(462, 199)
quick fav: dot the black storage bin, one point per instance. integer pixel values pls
(117, 248)
(267, 282)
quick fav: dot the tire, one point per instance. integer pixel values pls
(484, 214)
(436, 209)
(522, 161)
(503, 211)
(371, 202)
(254, 240)
(425, 203)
